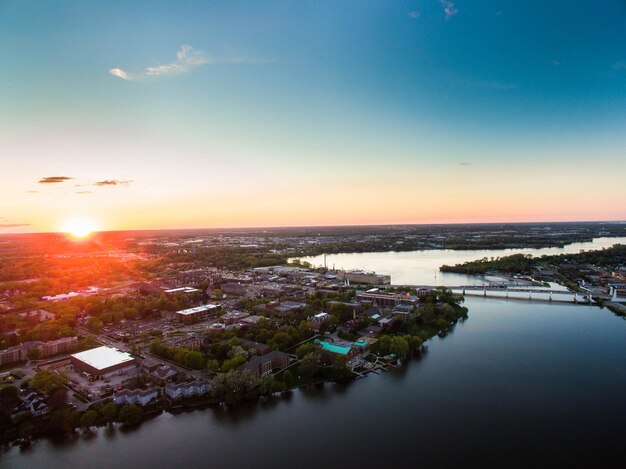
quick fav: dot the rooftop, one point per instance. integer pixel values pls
(197, 309)
(103, 357)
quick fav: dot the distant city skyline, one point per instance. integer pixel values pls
(254, 114)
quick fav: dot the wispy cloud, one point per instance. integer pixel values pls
(112, 182)
(13, 225)
(619, 66)
(414, 14)
(84, 192)
(448, 8)
(556, 62)
(54, 179)
(32, 192)
(464, 163)
(118, 72)
(186, 60)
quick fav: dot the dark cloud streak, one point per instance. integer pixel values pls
(54, 179)
(112, 182)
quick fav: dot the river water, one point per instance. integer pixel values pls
(518, 384)
(422, 267)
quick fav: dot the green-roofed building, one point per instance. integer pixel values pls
(348, 349)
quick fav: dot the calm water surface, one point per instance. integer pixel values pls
(422, 267)
(518, 384)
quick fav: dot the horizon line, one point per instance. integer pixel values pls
(333, 226)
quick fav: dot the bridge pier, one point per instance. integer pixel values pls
(485, 293)
(550, 298)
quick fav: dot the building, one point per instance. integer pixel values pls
(103, 361)
(316, 320)
(281, 308)
(39, 315)
(345, 348)
(11, 355)
(60, 297)
(233, 288)
(385, 300)
(20, 352)
(35, 403)
(193, 388)
(188, 290)
(233, 317)
(66, 344)
(367, 278)
(135, 396)
(263, 365)
(162, 374)
(191, 342)
(261, 349)
(199, 313)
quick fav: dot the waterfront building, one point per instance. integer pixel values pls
(193, 388)
(263, 365)
(135, 396)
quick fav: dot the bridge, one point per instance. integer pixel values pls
(523, 293)
(517, 293)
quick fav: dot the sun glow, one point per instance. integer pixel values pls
(79, 227)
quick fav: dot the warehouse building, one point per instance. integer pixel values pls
(103, 361)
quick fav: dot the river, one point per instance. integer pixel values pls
(517, 384)
(422, 267)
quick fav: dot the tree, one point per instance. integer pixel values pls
(213, 365)
(233, 386)
(217, 293)
(194, 360)
(33, 354)
(304, 349)
(88, 419)
(310, 365)
(399, 346)
(339, 366)
(109, 411)
(45, 382)
(94, 324)
(130, 415)
(56, 400)
(287, 377)
(233, 363)
(281, 341)
(26, 429)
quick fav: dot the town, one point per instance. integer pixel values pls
(131, 324)
(121, 350)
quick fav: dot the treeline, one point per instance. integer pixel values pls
(189, 358)
(525, 263)
(516, 263)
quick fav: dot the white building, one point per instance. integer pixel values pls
(194, 388)
(135, 396)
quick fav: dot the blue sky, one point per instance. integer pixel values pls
(311, 99)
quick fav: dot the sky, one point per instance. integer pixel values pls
(186, 114)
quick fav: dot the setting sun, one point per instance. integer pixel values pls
(79, 227)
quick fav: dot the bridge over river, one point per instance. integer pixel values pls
(519, 293)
